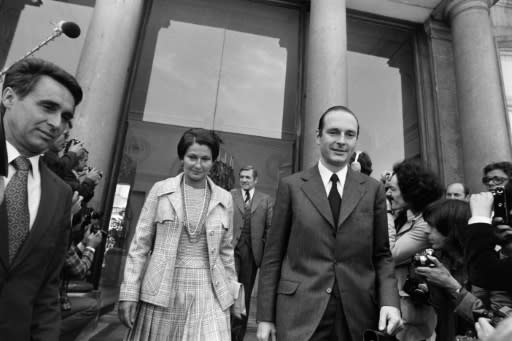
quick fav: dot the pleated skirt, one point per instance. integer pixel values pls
(193, 315)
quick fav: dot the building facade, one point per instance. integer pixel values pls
(430, 79)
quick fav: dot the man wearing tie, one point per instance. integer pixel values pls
(327, 271)
(251, 220)
(38, 103)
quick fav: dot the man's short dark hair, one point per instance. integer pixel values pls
(200, 136)
(23, 76)
(505, 166)
(249, 168)
(335, 108)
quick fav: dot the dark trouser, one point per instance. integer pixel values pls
(84, 309)
(333, 325)
(246, 269)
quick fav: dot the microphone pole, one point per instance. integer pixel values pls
(69, 29)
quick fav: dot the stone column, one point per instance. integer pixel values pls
(326, 69)
(103, 72)
(484, 127)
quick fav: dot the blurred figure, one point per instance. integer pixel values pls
(497, 174)
(361, 162)
(38, 104)
(458, 191)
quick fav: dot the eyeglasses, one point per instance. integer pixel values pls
(497, 180)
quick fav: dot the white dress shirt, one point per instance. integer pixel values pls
(326, 174)
(33, 181)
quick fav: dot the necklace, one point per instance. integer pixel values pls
(191, 230)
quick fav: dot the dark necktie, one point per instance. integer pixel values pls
(334, 199)
(247, 200)
(16, 203)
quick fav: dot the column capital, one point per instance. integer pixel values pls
(452, 8)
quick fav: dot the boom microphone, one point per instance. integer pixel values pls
(69, 28)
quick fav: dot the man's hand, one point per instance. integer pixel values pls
(486, 332)
(390, 321)
(438, 275)
(94, 175)
(94, 239)
(76, 203)
(481, 204)
(77, 148)
(266, 331)
(126, 313)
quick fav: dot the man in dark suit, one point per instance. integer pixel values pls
(251, 220)
(38, 103)
(327, 271)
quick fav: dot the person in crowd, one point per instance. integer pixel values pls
(497, 174)
(82, 178)
(78, 311)
(327, 271)
(62, 161)
(38, 103)
(251, 221)
(458, 191)
(361, 162)
(3, 161)
(412, 188)
(447, 221)
(184, 234)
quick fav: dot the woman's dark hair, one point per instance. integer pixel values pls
(505, 166)
(450, 218)
(419, 186)
(200, 136)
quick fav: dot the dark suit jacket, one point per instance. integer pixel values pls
(305, 252)
(261, 216)
(29, 286)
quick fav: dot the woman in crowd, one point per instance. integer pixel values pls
(179, 280)
(447, 224)
(411, 188)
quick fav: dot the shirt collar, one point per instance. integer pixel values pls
(12, 153)
(326, 174)
(251, 192)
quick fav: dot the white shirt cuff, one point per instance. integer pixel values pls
(90, 249)
(479, 219)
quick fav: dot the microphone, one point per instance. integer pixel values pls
(69, 28)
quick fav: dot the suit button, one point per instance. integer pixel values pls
(213, 250)
(211, 233)
(328, 290)
(216, 283)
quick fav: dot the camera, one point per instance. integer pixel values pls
(89, 168)
(417, 289)
(70, 143)
(500, 206)
(90, 215)
(421, 259)
(496, 314)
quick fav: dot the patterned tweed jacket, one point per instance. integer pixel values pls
(149, 270)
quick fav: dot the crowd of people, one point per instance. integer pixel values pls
(339, 253)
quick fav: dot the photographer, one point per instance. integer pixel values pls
(447, 221)
(411, 188)
(62, 155)
(84, 178)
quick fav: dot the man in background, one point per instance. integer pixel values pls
(458, 191)
(251, 220)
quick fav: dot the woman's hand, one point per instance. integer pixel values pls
(126, 313)
(438, 275)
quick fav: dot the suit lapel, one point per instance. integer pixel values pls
(45, 212)
(237, 198)
(256, 199)
(352, 192)
(314, 189)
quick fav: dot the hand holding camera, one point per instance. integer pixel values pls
(94, 175)
(92, 237)
(438, 274)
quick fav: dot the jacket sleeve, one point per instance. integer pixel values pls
(485, 268)
(46, 312)
(140, 248)
(227, 253)
(411, 242)
(382, 258)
